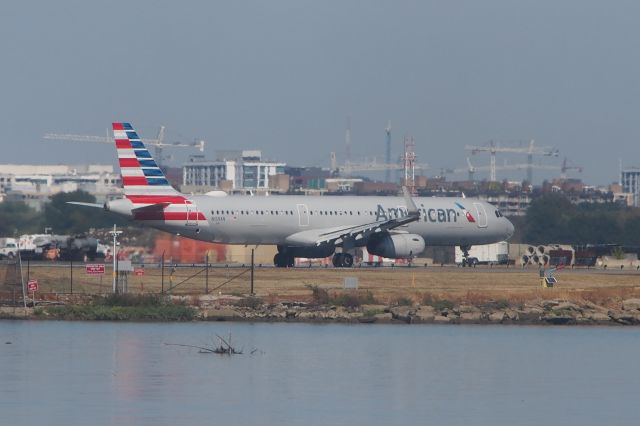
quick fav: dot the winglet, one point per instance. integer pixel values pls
(412, 209)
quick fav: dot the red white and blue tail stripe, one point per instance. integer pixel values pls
(141, 176)
(145, 185)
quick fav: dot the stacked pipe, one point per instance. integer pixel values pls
(536, 255)
(541, 255)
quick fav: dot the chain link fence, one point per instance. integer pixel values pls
(65, 278)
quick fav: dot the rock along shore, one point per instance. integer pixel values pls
(543, 312)
(551, 312)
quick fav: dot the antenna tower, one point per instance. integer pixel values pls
(347, 139)
(409, 158)
(387, 174)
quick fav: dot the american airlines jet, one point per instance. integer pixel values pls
(300, 226)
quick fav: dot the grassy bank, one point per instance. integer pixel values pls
(121, 308)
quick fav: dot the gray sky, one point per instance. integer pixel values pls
(282, 76)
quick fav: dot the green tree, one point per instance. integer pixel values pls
(548, 219)
(17, 218)
(66, 218)
(553, 218)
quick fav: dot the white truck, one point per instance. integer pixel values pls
(8, 248)
(486, 254)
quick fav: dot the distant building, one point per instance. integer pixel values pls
(232, 169)
(341, 184)
(510, 204)
(630, 181)
(308, 179)
(34, 184)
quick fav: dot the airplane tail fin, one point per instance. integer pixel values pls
(142, 179)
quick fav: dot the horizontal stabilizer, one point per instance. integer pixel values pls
(157, 206)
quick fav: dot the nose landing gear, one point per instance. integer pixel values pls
(465, 257)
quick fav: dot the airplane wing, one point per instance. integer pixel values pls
(353, 235)
(94, 205)
(157, 206)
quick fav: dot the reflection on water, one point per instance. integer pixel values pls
(112, 373)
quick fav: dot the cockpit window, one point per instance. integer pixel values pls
(498, 213)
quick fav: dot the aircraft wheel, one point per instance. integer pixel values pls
(290, 261)
(279, 261)
(347, 260)
(337, 260)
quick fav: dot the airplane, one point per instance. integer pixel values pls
(300, 226)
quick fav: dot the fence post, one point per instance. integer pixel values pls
(162, 273)
(206, 274)
(252, 269)
(71, 267)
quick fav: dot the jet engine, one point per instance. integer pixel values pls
(396, 246)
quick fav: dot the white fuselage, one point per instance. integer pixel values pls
(274, 219)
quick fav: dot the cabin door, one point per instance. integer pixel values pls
(481, 215)
(192, 214)
(303, 215)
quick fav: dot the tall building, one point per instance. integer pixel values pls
(630, 181)
(231, 170)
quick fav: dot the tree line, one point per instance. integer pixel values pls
(552, 218)
(18, 218)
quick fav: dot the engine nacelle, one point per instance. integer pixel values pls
(120, 206)
(396, 246)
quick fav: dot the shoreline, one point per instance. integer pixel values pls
(543, 312)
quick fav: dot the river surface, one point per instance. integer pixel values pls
(79, 373)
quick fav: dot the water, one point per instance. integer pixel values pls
(72, 373)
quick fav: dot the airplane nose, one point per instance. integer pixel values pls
(510, 229)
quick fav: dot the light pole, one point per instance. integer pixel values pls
(115, 234)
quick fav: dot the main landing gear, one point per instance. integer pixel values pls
(342, 260)
(283, 260)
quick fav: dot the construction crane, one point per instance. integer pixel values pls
(368, 166)
(471, 169)
(158, 143)
(492, 148)
(567, 167)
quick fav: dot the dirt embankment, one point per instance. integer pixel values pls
(409, 295)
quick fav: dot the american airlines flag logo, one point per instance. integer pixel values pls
(136, 164)
(145, 184)
(468, 215)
